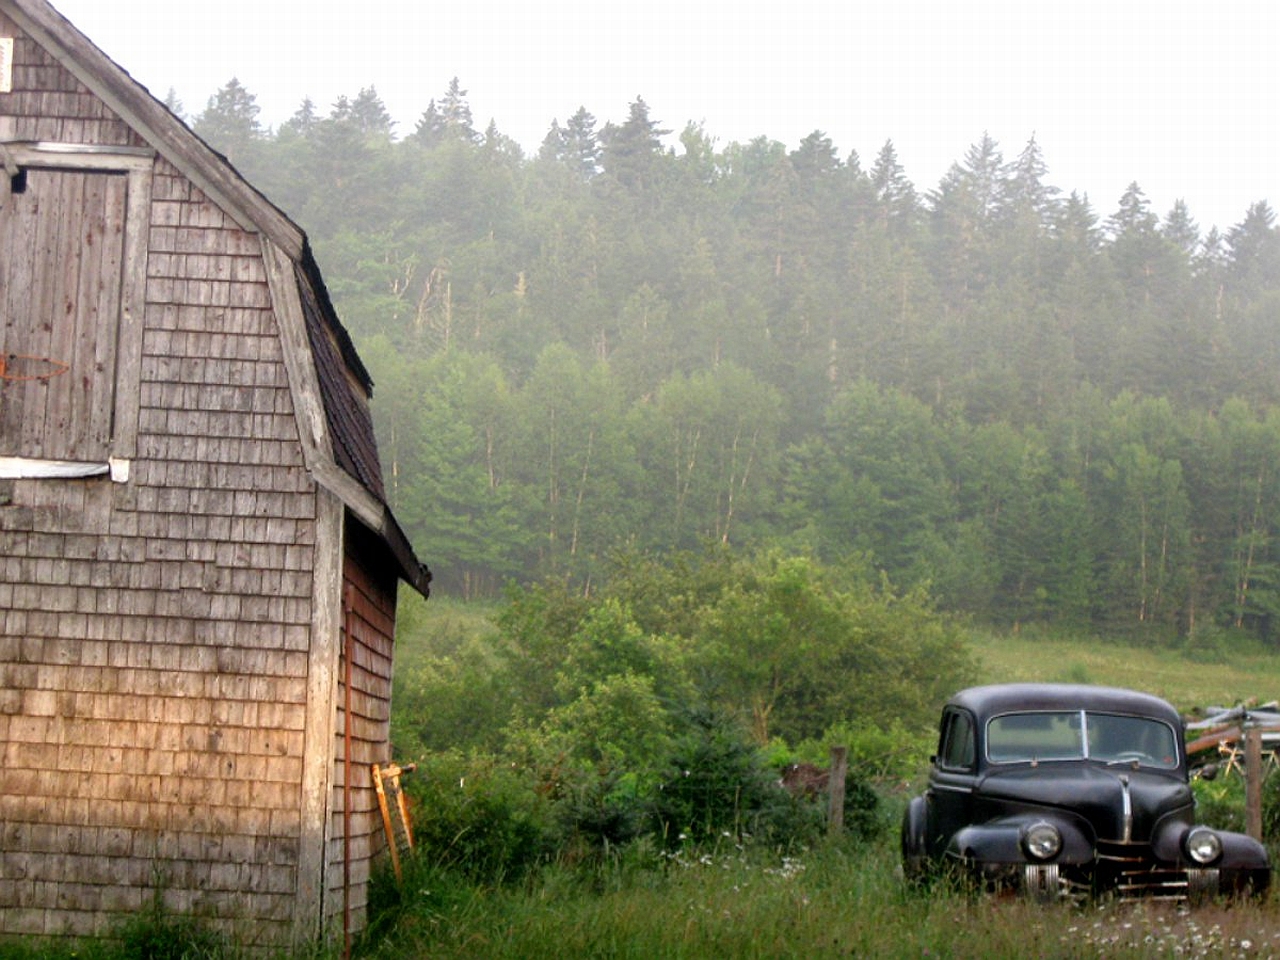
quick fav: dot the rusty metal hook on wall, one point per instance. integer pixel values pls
(57, 367)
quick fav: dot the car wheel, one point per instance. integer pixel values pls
(1202, 886)
(915, 868)
(1040, 882)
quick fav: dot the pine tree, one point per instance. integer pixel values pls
(1026, 194)
(894, 193)
(1136, 245)
(1133, 218)
(815, 157)
(455, 112)
(1180, 230)
(575, 144)
(430, 129)
(303, 122)
(173, 104)
(631, 148)
(495, 144)
(369, 115)
(449, 120)
(1254, 246)
(984, 177)
(229, 123)
(581, 145)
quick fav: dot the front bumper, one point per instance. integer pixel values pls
(1129, 871)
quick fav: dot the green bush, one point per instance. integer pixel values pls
(597, 815)
(156, 934)
(480, 817)
(878, 752)
(1207, 644)
(717, 783)
(863, 818)
(1220, 802)
(427, 892)
(1271, 808)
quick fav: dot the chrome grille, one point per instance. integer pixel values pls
(1130, 870)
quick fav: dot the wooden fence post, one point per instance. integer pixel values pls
(835, 790)
(1254, 774)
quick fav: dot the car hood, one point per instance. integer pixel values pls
(1099, 794)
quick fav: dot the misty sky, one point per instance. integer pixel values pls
(1182, 97)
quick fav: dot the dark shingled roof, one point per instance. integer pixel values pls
(344, 382)
(346, 389)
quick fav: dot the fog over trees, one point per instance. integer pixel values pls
(1040, 410)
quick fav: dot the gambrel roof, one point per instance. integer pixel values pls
(331, 387)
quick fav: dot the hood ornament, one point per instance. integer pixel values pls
(1126, 808)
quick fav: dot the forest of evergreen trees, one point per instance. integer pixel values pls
(1044, 412)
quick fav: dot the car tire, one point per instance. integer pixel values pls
(1040, 882)
(915, 865)
(1203, 886)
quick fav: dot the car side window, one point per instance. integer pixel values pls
(957, 750)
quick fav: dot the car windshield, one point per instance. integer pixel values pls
(1080, 735)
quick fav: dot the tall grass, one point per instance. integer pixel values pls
(832, 901)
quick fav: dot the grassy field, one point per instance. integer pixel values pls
(1187, 681)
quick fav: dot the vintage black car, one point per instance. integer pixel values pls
(1067, 790)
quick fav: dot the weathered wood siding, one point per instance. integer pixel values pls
(155, 635)
(48, 103)
(369, 591)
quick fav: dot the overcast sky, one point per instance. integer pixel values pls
(1182, 97)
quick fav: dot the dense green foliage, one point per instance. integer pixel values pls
(780, 646)
(582, 745)
(661, 708)
(986, 387)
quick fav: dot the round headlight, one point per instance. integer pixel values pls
(1042, 841)
(1202, 845)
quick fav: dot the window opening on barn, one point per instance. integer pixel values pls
(71, 274)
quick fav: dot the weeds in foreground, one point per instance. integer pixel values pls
(731, 901)
(152, 934)
(833, 900)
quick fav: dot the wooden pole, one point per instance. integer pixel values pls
(835, 790)
(1253, 777)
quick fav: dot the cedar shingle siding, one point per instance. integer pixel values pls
(174, 610)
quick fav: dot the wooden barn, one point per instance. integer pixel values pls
(198, 568)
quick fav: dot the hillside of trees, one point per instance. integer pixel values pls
(1041, 411)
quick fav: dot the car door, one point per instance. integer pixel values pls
(950, 795)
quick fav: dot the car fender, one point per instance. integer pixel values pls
(1000, 841)
(913, 827)
(1239, 851)
(914, 853)
(1242, 852)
